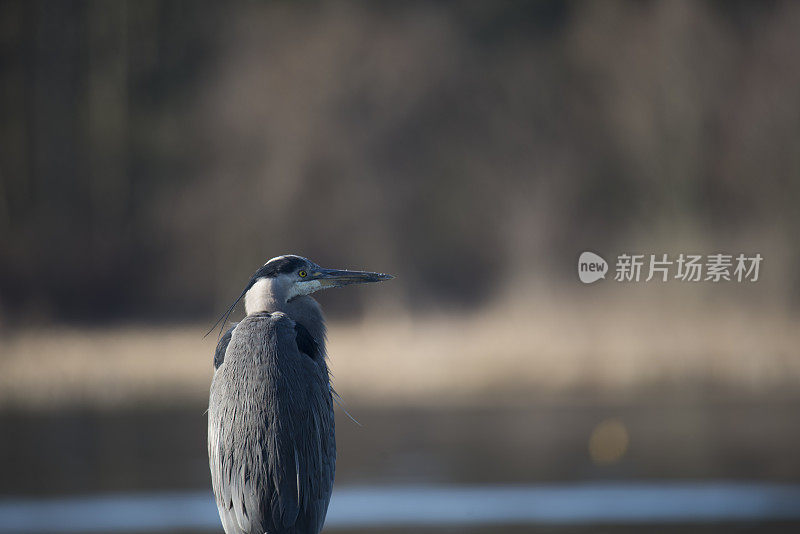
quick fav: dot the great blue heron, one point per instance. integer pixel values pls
(271, 442)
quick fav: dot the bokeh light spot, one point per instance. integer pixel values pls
(608, 442)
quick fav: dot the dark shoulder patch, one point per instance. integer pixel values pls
(222, 346)
(306, 342)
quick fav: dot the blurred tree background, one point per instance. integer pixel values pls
(153, 154)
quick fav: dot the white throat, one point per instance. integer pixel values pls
(304, 288)
(272, 294)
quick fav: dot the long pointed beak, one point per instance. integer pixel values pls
(338, 278)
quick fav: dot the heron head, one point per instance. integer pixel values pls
(287, 277)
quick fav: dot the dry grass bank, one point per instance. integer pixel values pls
(508, 354)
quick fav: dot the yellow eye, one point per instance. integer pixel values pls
(302, 274)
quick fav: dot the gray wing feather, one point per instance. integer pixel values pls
(272, 448)
(222, 346)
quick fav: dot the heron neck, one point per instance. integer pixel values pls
(268, 296)
(263, 297)
(306, 311)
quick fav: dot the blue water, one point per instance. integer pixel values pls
(376, 506)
